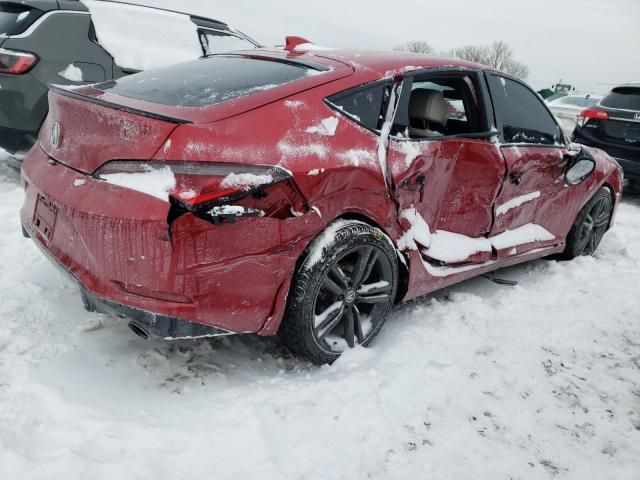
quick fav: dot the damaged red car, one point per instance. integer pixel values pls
(302, 192)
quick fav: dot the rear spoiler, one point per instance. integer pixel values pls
(103, 103)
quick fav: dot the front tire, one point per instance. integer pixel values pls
(590, 226)
(341, 293)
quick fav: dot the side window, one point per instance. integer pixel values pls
(364, 104)
(522, 114)
(214, 41)
(438, 105)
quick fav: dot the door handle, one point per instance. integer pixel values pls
(515, 177)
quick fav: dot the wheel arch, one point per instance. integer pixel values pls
(403, 270)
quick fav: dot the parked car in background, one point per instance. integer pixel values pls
(567, 108)
(614, 126)
(70, 42)
(303, 191)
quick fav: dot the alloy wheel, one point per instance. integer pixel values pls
(594, 226)
(353, 298)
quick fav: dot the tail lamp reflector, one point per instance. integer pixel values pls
(17, 63)
(591, 113)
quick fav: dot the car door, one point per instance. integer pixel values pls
(450, 179)
(536, 157)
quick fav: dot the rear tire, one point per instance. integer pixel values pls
(342, 292)
(590, 226)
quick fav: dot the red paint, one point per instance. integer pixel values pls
(123, 247)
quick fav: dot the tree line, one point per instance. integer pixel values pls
(497, 55)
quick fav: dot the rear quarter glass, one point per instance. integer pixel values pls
(206, 81)
(15, 19)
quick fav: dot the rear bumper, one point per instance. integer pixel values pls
(16, 141)
(627, 156)
(118, 245)
(156, 325)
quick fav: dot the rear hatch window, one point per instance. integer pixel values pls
(15, 18)
(207, 81)
(623, 98)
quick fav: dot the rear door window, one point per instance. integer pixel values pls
(364, 104)
(624, 98)
(522, 114)
(15, 19)
(207, 81)
(455, 107)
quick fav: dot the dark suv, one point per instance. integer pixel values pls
(70, 42)
(614, 126)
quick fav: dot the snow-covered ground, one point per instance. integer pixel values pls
(536, 381)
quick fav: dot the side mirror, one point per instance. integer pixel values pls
(579, 168)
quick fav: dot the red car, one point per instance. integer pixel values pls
(302, 192)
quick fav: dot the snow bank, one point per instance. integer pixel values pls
(246, 181)
(516, 202)
(157, 183)
(142, 38)
(71, 73)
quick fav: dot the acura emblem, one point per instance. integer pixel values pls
(636, 116)
(55, 134)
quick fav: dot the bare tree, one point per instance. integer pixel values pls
(471, 53)
(415, 46)
(497, 55)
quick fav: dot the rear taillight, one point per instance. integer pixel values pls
(15, 62)
(591, 113)
(218, 191)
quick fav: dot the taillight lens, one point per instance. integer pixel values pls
(15, 62)
(591, 113)
(202, 187)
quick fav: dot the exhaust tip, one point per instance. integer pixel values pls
(138, 330)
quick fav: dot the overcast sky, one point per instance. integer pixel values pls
(588, 43)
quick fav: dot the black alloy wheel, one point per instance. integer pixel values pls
(342, 292)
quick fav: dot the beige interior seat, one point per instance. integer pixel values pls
(427, 111)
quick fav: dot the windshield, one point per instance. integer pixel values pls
(206, 81)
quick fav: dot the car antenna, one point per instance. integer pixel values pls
(292, 42)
